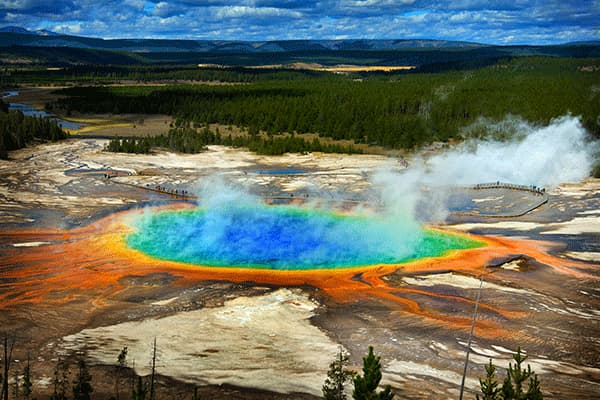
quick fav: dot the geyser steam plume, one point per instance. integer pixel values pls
(233, 228)
(541, 156)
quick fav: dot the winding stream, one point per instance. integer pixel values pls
(30, 111)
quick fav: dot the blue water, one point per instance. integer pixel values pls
(10, 93)
(30, 111)
(284, 238)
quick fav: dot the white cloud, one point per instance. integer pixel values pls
(245, 11)
(499, 22)
(134, 4)
(73, 28)
(373, 3)
(16, 4)
(12, 17)
(460, 17)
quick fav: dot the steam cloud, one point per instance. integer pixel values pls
(235, 225)
(545, 156)
(541, 156)
(233, 228)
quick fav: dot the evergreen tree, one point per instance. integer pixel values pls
(82, 387)
(515, 383)
(534, 391)
(365, 386)
(516, 379)
(337, 376)
(16, 131)
(489, 385)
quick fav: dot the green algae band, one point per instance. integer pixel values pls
(286, 238)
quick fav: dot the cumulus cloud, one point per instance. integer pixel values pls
(163, 9)
(263, 12)
(36, 6)
(70, 29)
(495, 22)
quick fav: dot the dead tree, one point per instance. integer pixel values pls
(8, 350)
(153, 371)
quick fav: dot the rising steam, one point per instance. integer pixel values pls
(546, 156)
(232, 227)
(541, 156)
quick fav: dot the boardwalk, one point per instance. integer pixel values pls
(538, 199)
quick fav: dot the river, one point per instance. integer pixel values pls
(30, 111)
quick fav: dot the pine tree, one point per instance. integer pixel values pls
(513, 386)
(489, 385)
(365, 386)
(337, 376)
(81, 385)
(534, 391)
(516, 378)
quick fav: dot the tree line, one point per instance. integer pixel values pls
(193, 140)
(9, 76)
(520, 383)
(399, 111)
(17, 130)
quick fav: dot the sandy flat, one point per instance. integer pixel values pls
(583, 255)
(262, 342)
(540, 365)
(413, 368)
(461, 281)
(511, 225)
(576, 226)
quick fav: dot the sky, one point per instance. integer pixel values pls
(493, 22)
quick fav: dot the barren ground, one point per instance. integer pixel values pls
(237, 338)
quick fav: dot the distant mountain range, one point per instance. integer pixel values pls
(42, 47)
(17, 36)
(18, 29)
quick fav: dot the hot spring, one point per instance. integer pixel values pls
(286, 238)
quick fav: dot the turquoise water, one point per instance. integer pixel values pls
(285, 238)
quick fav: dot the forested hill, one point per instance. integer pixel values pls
(17, 47)
(403, 112)
(16, 37)
(17, 130)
